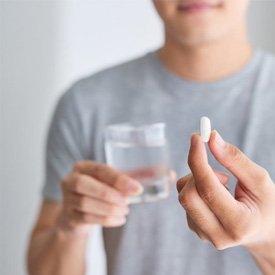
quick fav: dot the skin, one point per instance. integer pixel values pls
(196, 43)
(93, 193)
(216, 216)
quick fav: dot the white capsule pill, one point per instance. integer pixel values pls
(205, 128)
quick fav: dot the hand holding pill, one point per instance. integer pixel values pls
(212, 212)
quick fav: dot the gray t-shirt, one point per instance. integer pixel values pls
(156, 239)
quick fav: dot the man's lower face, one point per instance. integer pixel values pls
(196, 21)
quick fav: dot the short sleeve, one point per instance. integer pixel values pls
(64, 145)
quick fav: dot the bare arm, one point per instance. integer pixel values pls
(264, 256)
(51, 250)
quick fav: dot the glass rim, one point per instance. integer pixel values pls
(134, 127)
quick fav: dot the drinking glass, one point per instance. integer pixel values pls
(140, 151)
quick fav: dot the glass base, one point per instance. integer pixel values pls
(151, 193)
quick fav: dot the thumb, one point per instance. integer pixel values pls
(245, 170)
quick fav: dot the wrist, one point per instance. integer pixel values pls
(264, 249)
(264, 256)
(65, 228)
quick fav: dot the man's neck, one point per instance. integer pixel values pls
(209, 62)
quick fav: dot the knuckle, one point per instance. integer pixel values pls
(235, 153)
(82, 203)
(208, 196)
(112, 210)
(105, 194)
(83, 217)
(77, 165)
(107, 221)
(236, 237)
(201, 236)
(236, 156)
(63, 183)
(66, 206)
(238, 232)
(87, 218)
(184, 200)
(219, 245)
(96, 167)
(241, 228)
(181, 183)
(77, 184)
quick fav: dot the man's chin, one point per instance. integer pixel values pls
(196, 39)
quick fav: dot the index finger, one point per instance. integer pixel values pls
(223, 178)
(232, 158)
(218, 199)
(104, 173)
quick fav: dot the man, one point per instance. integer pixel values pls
(205, 67)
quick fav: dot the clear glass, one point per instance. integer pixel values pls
(140, 151)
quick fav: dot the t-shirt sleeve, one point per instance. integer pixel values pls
(64, 145)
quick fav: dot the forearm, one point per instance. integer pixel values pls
(55, 252)
(264, 256)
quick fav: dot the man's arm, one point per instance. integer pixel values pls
(51, 250)
(264, 256)
(93, 193)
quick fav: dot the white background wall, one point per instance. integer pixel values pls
(45, 46)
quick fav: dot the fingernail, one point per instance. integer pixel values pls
(134, 186)
(219, 140)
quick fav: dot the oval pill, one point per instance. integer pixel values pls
(205, 128)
